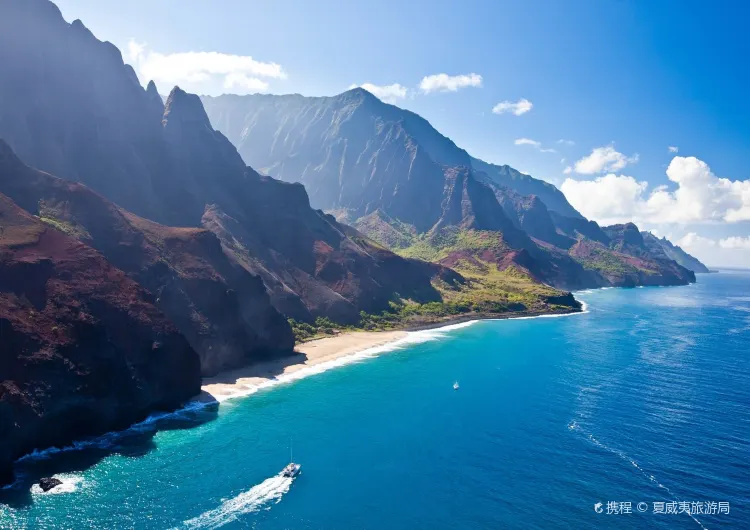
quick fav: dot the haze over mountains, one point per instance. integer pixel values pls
(373, 144)
(388, 172)
(139, 252)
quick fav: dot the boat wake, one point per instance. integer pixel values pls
(257, 498)
(575, 426)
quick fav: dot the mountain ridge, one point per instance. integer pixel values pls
(239, 126)
(367, 161)
(674, 252)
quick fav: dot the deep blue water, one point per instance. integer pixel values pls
(643, 399)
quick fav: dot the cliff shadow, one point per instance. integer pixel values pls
(134, 442)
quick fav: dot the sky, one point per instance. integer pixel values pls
(637, 110)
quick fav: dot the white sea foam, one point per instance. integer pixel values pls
(70, 483)
(109, 439)
(259, 497)
(583, 311)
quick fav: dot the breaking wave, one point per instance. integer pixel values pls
(70, 483)
(110, 439)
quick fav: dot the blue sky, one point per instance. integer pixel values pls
(630, 79)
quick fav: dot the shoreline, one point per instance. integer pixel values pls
(319, 355)
(312, 357)
(246, 380)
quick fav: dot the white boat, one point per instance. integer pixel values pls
(455, 385)
(291, 469)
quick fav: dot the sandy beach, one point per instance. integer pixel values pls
(246, 380)
(321, 354)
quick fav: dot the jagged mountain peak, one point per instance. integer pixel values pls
(625, 234)
(8, 157)
(317, 140)
(185, 109)
(154, 97)
(357, 92)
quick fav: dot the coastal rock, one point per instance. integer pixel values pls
(48, 483)
(84, 349)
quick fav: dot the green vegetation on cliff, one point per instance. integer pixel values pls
(439, 245)
(487, 291)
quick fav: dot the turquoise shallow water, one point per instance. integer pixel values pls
(643, 399)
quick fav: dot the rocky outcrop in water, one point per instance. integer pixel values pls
(47, 483)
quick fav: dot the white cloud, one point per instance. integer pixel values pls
(135, 50)
(731, 251)
(527, 141)
(197, 69)
(693, 240)
(243, 81)
(565, 142)
(387, 93)
(535, 144)
(603, 159)
(609, 199)
(700, 197)
(673, 149)
(735, 242)
(522, 106)
(449, 83)
(568, 170)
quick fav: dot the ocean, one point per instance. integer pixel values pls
(614, 418)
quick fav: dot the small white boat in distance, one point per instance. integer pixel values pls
(455, 385)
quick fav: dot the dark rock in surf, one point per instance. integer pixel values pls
(48, 483)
